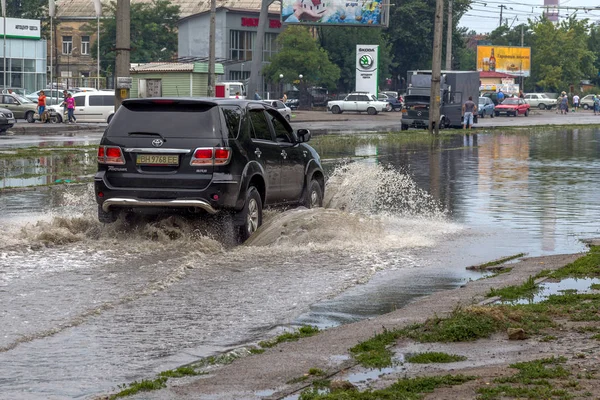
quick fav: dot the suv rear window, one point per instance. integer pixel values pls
(193, 120)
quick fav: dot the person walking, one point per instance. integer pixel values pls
(71, 108)
(596, 104)
(257, 96)
(64, 104)
(575, 102)
(564, 104)
(468, 109)
(500, 96)
(42, 106)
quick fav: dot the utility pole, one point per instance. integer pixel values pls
(122, 64)
(502, 7)
(522, 42)
(436, 69)
(257, 53)
(211, 49)
(449, 38)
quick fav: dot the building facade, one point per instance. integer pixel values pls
(25, 58)
(235, 37)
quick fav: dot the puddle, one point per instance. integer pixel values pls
(572, 285)
(264, 393)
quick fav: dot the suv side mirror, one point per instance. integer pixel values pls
(303, 135)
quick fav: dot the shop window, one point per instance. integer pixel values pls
(29, 65)
(240, 44)
(67, 44)
(85, 45)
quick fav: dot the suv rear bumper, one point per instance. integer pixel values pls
(214, 197)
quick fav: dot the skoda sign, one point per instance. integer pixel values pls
(367, 68)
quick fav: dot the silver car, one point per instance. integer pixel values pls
(282, 108)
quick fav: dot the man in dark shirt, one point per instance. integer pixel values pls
(468, 110)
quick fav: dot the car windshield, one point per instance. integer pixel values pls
(482, 100)
(543, 96)
(511, 101)
(23, 99)
(373, 97)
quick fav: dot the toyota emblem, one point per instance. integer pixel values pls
(419, 113)
(157, 142)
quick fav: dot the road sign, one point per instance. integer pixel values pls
(124, 82)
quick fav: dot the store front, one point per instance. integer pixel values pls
(25, 55)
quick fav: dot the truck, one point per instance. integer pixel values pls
(230, 90)
(455, 88)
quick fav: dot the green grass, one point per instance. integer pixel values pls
(141, 386)
(373, 353)
(304, 331)
(595, 286)
(403, 389)
(434, 357)
(180, 372)
(512, 293)
(587, 266)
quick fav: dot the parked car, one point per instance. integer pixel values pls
(83, 89)
(357, 102)
(314, 97)
(53, 96)
(492, 95)
(512, 106)
(211, 156)
(21, 107)
(587, 102)
(15, 90)
(7, 120)
(485, 107)
(393, 103)
(540, 100)
(96, 106)
(282, 108)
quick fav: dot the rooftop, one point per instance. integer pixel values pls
(154, 67)
(494, 74)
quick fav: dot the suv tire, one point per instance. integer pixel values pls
(106, 217)
(313, 196)
(250, 217)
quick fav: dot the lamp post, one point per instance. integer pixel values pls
(281, 84)
(69, 65)
(301, 95)
(242, 73)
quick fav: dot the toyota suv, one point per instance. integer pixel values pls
(211, 156)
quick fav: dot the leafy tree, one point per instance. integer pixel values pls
(340, 43)
(301, 54)
(560, 54)
(594, 47)
(30, 9)
(505, 36)
(153, 28)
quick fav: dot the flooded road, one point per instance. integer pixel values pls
(88, 307)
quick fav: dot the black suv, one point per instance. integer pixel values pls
(212, 155)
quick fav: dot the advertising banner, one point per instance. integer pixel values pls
(18, 28)
(367, 58)
(506, 59)
(334, 12)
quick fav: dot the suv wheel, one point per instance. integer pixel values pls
(251, 215)
(106, 217)
(313, 196)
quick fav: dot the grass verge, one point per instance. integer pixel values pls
(433, 357)
(303, 331)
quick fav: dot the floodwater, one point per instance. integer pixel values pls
(88, 307)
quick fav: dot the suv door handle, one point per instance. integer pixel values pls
(283, 154)
(257, 152)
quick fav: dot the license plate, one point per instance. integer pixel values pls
(157, 159)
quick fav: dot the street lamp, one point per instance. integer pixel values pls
(242, 73)
(69, 65)
(301, 99)
(281, 84)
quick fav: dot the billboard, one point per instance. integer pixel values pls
(334, 12)
(507, 59)
(367, 59)
(18, 28)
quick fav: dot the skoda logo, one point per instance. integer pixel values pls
(365, 61)
(157, 142)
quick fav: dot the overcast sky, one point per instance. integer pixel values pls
(484, 15)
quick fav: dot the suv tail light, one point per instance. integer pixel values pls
(211, 156)
(110, 155)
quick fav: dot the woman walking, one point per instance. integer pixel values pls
(71, 108)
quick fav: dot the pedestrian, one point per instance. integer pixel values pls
(237, 95)
(575, 102)
(521, 95)
(257, 96)
(597, 104)
(64, 104)
(42, 106)
(500, 96)
(284, 98)
(468, 109)
(564, 104)
(71, 108)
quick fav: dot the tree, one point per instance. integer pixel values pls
(153, 33)
(301, 54)
(30, 9)
(340, 43)
(594, 47)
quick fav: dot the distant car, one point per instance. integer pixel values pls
(492, 95)
(19, 91)
(282, 108)
(21, 107)
(485, 107)
(540, 100)
(357, 102)
(587, 102)
(91, 107)
(393, 103)
(83, 89)
(512, 106)
(53, 96)
(7, 119)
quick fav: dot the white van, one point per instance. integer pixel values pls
(92, 106)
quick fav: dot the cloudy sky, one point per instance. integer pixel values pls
(484, 15)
